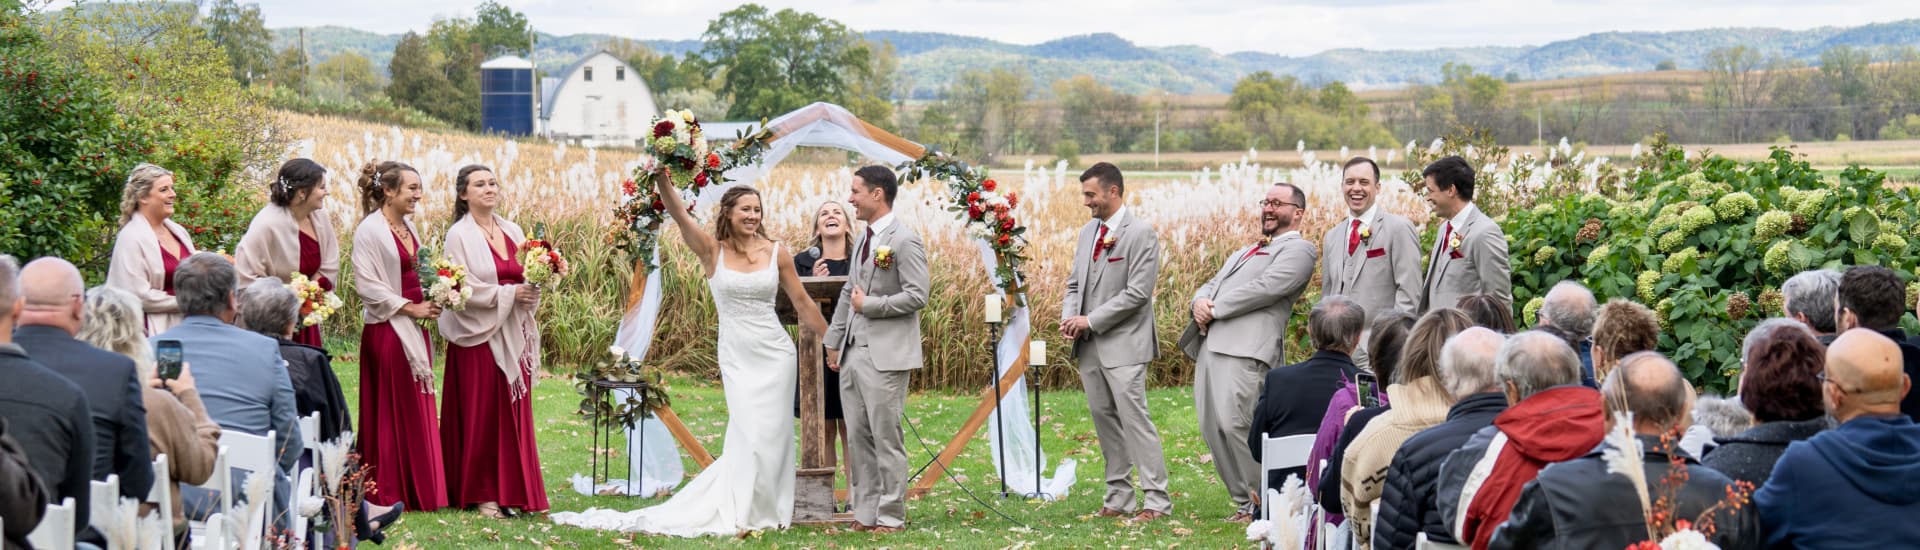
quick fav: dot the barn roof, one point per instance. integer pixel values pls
(547, 101)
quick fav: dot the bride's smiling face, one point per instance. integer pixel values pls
(745, 215)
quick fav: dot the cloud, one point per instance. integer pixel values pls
(1291, 27)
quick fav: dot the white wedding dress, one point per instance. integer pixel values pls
(750, 486)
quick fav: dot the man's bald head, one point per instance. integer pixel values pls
(1650, 386)
(1864, 375)
(1466, 362)
(52, 288)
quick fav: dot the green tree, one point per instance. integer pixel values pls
(992, 107)
(242, 32)
(290, 68)
(662, 73)
(346, 75)
(456, 56)
(1665, 65)
(774, 62)
(500, 31)
(415, 80)
(870, 97)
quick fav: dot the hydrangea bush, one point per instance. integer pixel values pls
(1707, 241)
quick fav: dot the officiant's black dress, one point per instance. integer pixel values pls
(829, 379)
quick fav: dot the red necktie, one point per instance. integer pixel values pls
(1100, 242)
(1251, 251)
(1444, 238)
(863, 244)
(1353, 238)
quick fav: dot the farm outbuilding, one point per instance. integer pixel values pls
(600, 100)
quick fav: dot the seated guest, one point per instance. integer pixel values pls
(1296, 395)
(270, 308)
(1406, 501)
(1550, 417)
(1873, 298)
(1580, 504)
(243, 382)
(45, 412)
(1809, 298)
(1420, 401)
(1780, 369)
(1622, 328)
(177, 423)
(53, 287)
(1714, 417)
(1857, 485)
(1568, 312)
(1387, 340)
(1488, 311)
(23, 498)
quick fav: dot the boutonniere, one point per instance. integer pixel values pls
(883, 257)
(1366, 232)
(1264, 241)
(1108, 242)
(1454, 241)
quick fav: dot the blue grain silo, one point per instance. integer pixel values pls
(506, 96)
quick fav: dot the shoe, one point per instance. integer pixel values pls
(1106, 512)
(490, 511)
(884, 530)
(1149, 515)
(861, 527)
(1240, 517)
(364, 524)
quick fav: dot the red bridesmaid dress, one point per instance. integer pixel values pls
(488, 440)
(310, 266)
(399, 436)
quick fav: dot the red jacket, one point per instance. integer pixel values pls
(1559, 424)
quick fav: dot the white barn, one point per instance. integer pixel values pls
(600, 100)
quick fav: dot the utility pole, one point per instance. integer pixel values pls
(306, 66)
(1157, 113)
(1539, 128)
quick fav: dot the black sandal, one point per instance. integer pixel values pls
(363, 524)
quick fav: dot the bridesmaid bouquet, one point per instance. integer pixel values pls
(543, 264)
(316, 304)
(444, 281)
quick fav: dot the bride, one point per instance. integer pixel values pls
(750, 487)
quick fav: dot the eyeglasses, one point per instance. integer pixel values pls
(1276, 203)
(1843, 388)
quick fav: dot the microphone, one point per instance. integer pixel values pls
(813, 251)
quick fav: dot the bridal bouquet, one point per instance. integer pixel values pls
(316, 304)
(543, 264)
(444, 281)
(680, 153)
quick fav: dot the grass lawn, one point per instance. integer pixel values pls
(945, 518)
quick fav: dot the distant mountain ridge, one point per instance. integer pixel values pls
(930, 61)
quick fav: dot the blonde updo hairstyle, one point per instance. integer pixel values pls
(139, 184)
(378, 181)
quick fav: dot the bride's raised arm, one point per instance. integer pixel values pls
(803, 305)
(697, 237)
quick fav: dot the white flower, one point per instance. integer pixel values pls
(1258, 529)
(1300, 147)
(617, 352)
(1469, 151)
(1636, 150)
(1435, 148)
(1565, 148)
(1409, 146)
(1687, 540)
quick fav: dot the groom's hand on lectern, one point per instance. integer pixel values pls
(833, 359)
(859, 299)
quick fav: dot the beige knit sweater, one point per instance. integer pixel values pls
(1417, 405)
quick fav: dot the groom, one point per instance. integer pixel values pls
(874, 344)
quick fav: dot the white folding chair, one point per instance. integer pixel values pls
(306, 488)
(255, 455)
(1280, 453)
(215, 536)
(100, 507)
(162, 498)
(221, 481)
(1420, 542)
(56, 527)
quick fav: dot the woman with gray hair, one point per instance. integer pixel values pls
(149, 246)
(270, 308)
(177, 421)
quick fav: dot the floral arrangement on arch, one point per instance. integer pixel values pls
(677, 145)
(988, 212)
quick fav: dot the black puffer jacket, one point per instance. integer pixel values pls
(1577, 504)
(1750, 455)
(1407, 503)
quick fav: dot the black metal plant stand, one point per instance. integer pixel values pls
(1000, 431)
(1033, 387)
(603, 435)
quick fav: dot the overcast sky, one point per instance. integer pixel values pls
(1292, 27)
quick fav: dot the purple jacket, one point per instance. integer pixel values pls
(1331, 425)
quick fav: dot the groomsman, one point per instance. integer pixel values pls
(1108, 315)
(1471, 254)
(1372, 256)
(874, 343)
(1237, 334)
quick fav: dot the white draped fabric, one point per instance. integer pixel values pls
(828, 125)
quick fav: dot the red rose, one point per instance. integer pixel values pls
(700, 180)
(659, 206)
(1005, 239)
(689, 163)
(444, 273)
(1006, 223)
(1013, 200)
(713, 161)
(988, 185)
(973, 197)
(662, 129)
(975, 212)
(628, 187)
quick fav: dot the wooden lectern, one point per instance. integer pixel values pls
(813, 497)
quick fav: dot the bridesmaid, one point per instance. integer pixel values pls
(399, 436)
(826, 256)
(149, 246)
(493, 349)
(291, 235)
